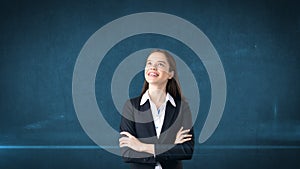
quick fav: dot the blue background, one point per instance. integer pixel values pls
(258, 44)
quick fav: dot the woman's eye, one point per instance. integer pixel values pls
(161, 65)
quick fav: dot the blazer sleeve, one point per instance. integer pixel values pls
(128, 124)
(182, 151)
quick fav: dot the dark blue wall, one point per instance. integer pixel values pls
(258, 44)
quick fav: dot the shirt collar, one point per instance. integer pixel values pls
(146, 97)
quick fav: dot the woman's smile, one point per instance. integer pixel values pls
(153, 74)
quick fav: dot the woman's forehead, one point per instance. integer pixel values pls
(157, 56)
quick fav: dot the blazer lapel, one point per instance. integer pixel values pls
(170, 116)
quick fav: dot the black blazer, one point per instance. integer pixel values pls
(137, 120)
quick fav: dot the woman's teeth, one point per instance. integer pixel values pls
(153, 74)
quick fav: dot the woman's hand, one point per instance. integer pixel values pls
(182, 136)
(130, 141)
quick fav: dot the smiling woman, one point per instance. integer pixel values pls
(156, 127)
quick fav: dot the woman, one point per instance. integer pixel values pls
(156, 128)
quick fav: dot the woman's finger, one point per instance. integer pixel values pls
(124, 145)
(183, 138)
(124, 142)
(185, 131)
(123, 139)
(126, 134)
(187, 135)
(186, 139)
(179, 131)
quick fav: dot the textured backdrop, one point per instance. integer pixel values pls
(258, 44)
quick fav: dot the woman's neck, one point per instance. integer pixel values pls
(157, 95)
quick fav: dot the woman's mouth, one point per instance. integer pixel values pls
(153, 74)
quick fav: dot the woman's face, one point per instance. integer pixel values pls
(157, 69)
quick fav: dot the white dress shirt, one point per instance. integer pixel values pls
(158, 114)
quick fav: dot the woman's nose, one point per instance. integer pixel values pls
(153, 67)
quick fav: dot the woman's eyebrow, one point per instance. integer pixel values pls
(162, 61)
(157, 61)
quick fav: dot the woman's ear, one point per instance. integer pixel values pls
(171, 74)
